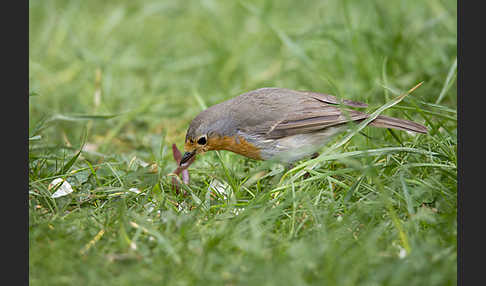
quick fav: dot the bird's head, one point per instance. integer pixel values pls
(205, 133)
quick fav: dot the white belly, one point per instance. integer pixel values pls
(293, 148)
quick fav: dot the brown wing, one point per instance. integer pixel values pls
(330, 116)
(334, 100)
(400, 124)
(278, 112)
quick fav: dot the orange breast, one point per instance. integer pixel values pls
(240, 146)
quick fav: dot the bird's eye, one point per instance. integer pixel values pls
(202, 140)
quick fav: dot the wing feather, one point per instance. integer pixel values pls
(298, 112)
(312, 124)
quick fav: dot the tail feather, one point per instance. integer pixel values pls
(395, 123)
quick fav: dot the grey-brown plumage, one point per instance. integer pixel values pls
(285, 124)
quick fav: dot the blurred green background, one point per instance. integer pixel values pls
(159, 54)
(126, 78)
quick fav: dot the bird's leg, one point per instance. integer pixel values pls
(313, 156)
(290, 166)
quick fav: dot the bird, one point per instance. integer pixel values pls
(278, 124)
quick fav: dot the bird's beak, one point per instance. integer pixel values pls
(186, 157)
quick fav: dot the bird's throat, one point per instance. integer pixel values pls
(235, 144)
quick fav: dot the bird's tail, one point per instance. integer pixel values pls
(395, 123)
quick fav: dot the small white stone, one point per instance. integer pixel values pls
(237, 211)
(149, 207)
(64, 190)
(133, 245)
(134, 190)
(221, 188)
(402, 254)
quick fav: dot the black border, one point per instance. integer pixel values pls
(15, 91)
(470, 90)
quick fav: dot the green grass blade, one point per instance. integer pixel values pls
(448, 82)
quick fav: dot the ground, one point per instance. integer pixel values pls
(121, 82)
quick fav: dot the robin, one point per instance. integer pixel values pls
(277, 124)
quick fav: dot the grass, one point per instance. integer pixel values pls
(113, 85)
